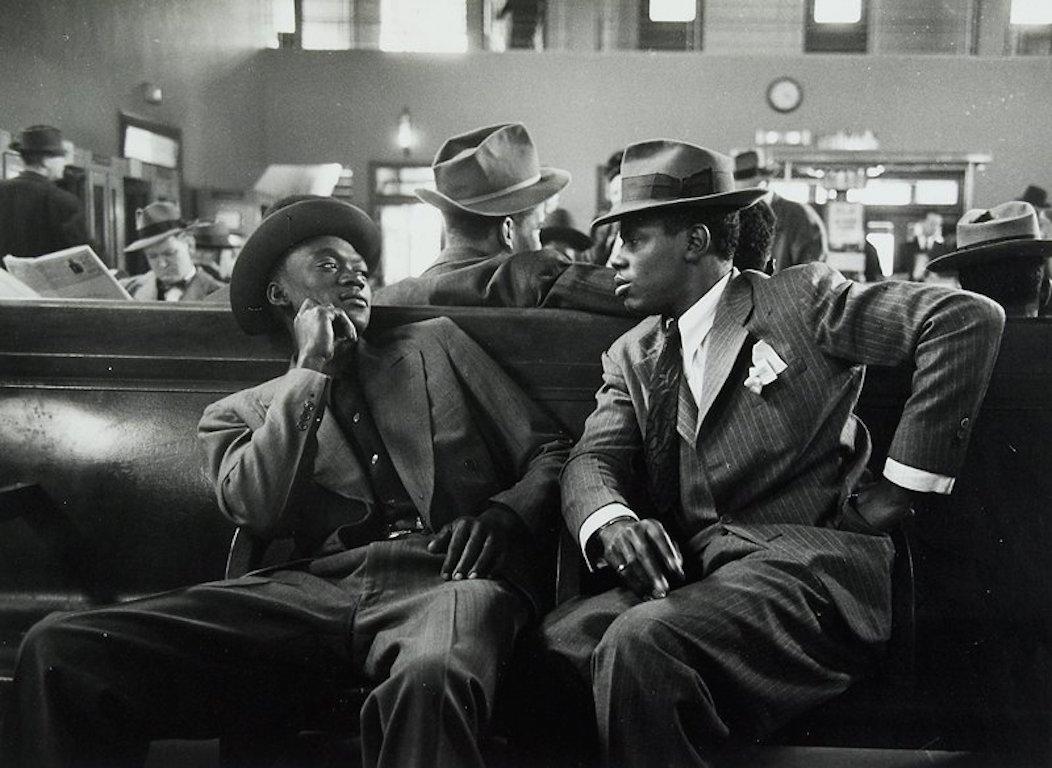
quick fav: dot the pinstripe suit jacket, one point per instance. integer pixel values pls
(777, 464)
(461, 434)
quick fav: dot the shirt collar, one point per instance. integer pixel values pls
(696, 322)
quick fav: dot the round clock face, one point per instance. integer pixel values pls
(784, 94)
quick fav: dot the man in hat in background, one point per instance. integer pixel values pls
(419, 485)
(36, 216)
(606, 235)
(559, 234)
(799, 234)
(167, 241)
(1001, 253)
(216, 249)
(718, 477)
(491, 190)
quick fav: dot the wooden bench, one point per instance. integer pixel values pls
(108, 499)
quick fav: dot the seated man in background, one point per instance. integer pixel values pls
(491, 191)
(559, 234)
(1001, 254)
(36, 215)
(719, 474)
(168, 244)
(419, 484)
(799, 234)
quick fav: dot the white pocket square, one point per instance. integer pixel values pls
(766, 366)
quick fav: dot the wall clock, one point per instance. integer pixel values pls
(784, 94)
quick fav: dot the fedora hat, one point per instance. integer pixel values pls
(1036, 196)
(560, 228)
(288, 223)
(157, 221)
(750, 163)
(42, 139)
(1006, 231)
(492, 171)
(664, 174)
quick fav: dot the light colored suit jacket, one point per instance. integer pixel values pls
(779, 464)
(462, 437)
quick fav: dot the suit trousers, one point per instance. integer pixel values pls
(252, 654)
(751, 640)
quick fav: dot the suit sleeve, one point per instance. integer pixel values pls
(551, 281)
(257, 468)
(600, 463)
(950, 337)
(533, 445)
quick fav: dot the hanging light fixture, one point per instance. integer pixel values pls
(405, 132)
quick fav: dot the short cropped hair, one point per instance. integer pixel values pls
(474, 226)
(1005, 281)
(756, 236)
(724, 225)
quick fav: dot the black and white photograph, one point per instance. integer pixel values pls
(525, 384)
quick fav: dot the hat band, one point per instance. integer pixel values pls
(994, 240)
(159, 227)
(661, 186)
(501, 192)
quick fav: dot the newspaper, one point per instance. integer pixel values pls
(73, 273)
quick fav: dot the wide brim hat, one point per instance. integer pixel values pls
(492, 171)
(287, 224)
(217, 235)
(1008, 231)
(44, 139)
(158, 221)
(666, 175)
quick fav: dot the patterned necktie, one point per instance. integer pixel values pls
(661, 446)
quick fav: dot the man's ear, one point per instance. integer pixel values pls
(698, 242)
(507, 230)
(277, 296)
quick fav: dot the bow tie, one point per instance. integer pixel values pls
(162, 288)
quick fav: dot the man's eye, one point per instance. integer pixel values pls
(328, 265)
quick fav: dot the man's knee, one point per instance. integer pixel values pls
(637, 639)
(49, 640)
(436, 674)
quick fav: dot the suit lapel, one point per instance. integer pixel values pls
(336, 467)
(724, 343)
(396, 392)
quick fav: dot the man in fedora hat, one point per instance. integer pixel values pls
(718, 477)
(167, 241)
(216, 248)
(559, 234)
(36, 216)
(418, 484)
(799, 234)
(1001, 254)
(491, 190)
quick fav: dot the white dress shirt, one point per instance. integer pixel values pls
(694, 326)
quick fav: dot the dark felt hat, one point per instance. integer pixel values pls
(288, 223)
(1036, 196)
(560, 228)
(749, 164)
(663, 174)
(43, 139)
(1008, 231)
(492, 171)
(217, 235)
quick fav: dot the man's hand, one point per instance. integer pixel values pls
(475, 546)
(643, 555)
(883, 504)
(320, 329)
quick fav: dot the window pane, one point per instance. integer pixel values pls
(936, 192)
(838, 11)
(412, 239)
(1031, 12)
(327, 25)
(884, 193)
(673, 10)
(423, 26)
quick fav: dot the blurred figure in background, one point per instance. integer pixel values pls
(799, 234)
(216, 249)
(168, 243)
(606, 235)
(925, 244)
(36, 216)
(1001, 253)
(559, 233)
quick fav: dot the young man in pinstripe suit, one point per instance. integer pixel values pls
(719, 474)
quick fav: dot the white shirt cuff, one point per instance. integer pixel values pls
(598, 519)
(916, 479)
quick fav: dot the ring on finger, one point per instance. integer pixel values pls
(621, 568)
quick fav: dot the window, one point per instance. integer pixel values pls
(1031, 12)
(1031, 32)
(424, 26)
(836, 26)
(328, 25)
(411, 229)
(670, 25)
